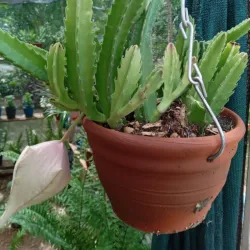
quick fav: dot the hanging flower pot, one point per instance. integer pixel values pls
(161, 185)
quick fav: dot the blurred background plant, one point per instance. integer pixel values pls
(27, 99)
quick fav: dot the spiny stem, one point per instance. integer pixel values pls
(72, 128)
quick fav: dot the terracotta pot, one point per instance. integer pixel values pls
(161, 185)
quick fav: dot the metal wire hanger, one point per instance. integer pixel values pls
(197, 80)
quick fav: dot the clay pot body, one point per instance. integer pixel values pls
(161, 185)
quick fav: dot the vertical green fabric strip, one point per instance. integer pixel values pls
(220, 230)
(237, 11)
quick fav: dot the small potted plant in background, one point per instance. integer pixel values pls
(10, 107)
(28, 106)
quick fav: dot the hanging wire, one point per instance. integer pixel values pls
(197, 80)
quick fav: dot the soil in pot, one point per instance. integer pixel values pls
(173, 124)
(163, 183)
(10, 112)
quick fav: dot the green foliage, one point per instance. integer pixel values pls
(14, 149)
(17, 83)
(52, 133)
(175, 80)
(16, 146)
(31, 23)
(164, 23)
(122, 17)
(4, 138)
(222, 65)
(90, 74)
(10, 155)
(127, 80)
(153, 83)
(209, 61)
(27, 99)
(26, 56)
(86, 58)
(56, 73)
(238, 31)
(10, 101)
(226, 80)
(149, 18)
(32, 137)
(9, 85)
(17, 240)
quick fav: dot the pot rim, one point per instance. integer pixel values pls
(235, 134)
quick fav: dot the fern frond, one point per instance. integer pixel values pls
(10, 155)
(39, 221)
(31, 137)
(4, 137)
(17, 240)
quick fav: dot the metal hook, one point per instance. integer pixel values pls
(222, 135)
(183, 31)
(199, 78)
(202, 86)
(197, 81)
(184, 13)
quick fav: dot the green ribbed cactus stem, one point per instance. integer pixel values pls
(154, 82)
(143, 37)
(56, 73)
(174, 84)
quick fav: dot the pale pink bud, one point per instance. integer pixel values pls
(41, 172)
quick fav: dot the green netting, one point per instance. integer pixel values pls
(220, 230)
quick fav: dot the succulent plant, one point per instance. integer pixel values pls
(107, 81)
